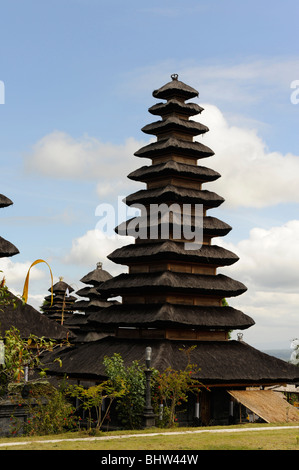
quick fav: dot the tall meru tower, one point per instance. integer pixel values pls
(172, 295)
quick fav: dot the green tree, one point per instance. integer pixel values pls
(21, 354)
(5, 297)
(48, 410)
(130, 406)
(171, 388)
(92, 398)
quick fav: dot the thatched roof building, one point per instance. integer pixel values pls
(226, 364)
(28, 320)
(172, 295)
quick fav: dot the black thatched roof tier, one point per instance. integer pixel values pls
(170, 316)
(220, 362)
(59, 299)
(211, 226)
(175, 124)
(175, 89)
(29, 321)
(7, 249)
(171, 168)
(169, 250)
(170, 146)
(175, 106)
(173, 194)
(61, 287)
(94, 304)
(96, 277)
(157, 282)
(89, 291)
(5, 201)
(63, 302)
(95, 301)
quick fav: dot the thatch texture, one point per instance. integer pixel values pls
(95, 301)
(173, 194)
(175, 106)
(170, 315)
(271, 406)
(196, 284)
(88, 291)
(220, 362)
(63, 302)
(171, 168)
(173, 124)
(175, 89)
(61, 287)
(175, 222)
(172, 145)
(5, 201)
(169, 250)
(96, 277)
(29, 321)
(7, 249)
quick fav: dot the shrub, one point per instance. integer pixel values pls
(130, 406)
(48, 409)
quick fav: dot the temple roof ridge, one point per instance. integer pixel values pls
(175, 88)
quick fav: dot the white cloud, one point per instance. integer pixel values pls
(251, 176)
(60, 156)
(268, 266)
(94, 246)
(250, 81)
(269, 259)
(16, 272)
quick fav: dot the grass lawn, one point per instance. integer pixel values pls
(248, 437)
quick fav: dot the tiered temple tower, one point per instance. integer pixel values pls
(63, 302)
(94, 300)
(172, 296)
(172, 290)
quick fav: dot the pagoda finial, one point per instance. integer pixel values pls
(174, 76)
(99, 265)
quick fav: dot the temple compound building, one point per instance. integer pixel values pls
(172, 295)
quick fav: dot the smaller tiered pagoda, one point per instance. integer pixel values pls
(95, 300)
(92, 304)
(63, 302)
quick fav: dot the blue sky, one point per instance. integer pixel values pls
(79, 76)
